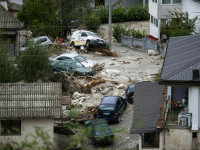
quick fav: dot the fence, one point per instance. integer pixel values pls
(144, 44)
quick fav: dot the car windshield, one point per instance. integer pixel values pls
(92, 34)
(79, 58)
(102, 130)
(106, 107)
(76, 65)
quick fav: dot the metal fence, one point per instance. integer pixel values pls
(144, 44)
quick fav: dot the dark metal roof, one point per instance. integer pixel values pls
(148, 98)
(7, 20)
(183, 55)
(30, 100)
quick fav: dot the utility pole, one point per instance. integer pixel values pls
(144, 3)
(110, 25)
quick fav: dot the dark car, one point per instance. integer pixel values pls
(71, 66)
(111, 108)
(100, 131)
(129, 93)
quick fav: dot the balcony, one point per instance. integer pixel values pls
(177, 116)
(165, 9)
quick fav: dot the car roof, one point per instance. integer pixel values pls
(109, 99)
(69, 55)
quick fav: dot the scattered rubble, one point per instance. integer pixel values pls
(152, 53)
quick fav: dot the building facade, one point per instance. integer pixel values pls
(159, 11)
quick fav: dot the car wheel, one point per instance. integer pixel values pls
(72, 44)
(88, 44)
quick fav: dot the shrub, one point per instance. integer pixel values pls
(34, 63)
(92, 21)
(7, 69)
(102, 12)
(137, 13)
(137, 34)
(119, 14)
(117, 31)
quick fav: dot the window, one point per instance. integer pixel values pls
(155, 1)
(194, 135)
(154, 20)
(83, 34)
(43, 40)
(64, 58)
(171, 1)
(10, 127)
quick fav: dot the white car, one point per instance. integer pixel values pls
(86, 38)
(42, 41)
(73, 56)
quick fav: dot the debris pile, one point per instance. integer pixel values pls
(105, 52)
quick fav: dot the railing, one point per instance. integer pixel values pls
(144, 44)
(177, 117)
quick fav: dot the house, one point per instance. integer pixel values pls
(26, 106)
(9, 31)
(13, 6)
(159, 13)
(148, 114)
(125, 3)
(181, 73)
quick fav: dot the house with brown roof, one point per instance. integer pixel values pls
(27, 106)
(9, 32)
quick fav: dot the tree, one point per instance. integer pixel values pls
(39, 16)
(180, 25)
(34, 63)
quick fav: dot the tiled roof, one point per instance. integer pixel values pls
(7, 20)
(182, 57)
(30, 100)
(148, 97)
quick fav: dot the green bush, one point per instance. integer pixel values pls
(117, 31)
(179, 32)
(92, 21)
(119, 14)
(34, 63)
(7, 69)
(137, 13)
(137, 34)
(102, 12)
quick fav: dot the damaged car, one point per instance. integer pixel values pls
(71, 66)
(87, 39)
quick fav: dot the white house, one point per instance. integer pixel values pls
(159, 12)
(27, 106)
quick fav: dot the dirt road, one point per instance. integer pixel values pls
(130, 66)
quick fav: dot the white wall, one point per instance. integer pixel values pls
(28, 127)
(193, 8)
(20, 2)
(4, 4)
(194, 105)
(154, 31)
(178, 139)
(153, 8)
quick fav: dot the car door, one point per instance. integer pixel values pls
(123, 103)
(62, 67)
(118, 105)
(83, 37)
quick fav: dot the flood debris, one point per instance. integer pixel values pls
(104, 52)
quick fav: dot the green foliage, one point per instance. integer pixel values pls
(119, 29)
(7, 69)
(137, 13)
(180, 25)
(34, 63)
(102, 12)
(119, 14)
(38, 15)
(92, 21)
(157, 76)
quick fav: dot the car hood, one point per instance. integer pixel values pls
(88, 63)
